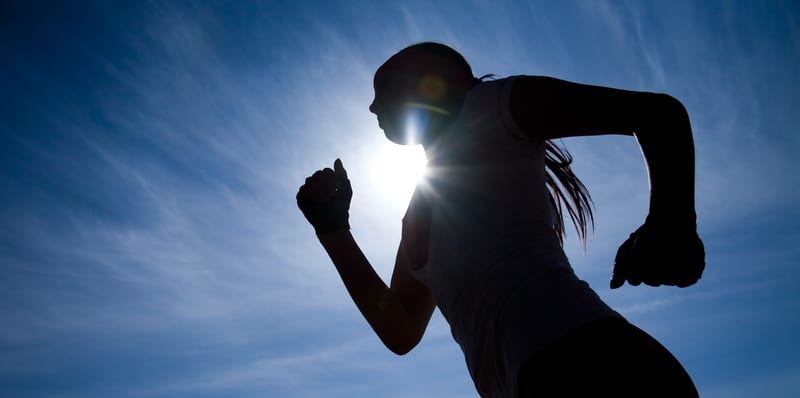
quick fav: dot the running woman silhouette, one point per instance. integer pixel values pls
(482, 236)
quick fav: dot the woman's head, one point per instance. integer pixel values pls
(419, 91)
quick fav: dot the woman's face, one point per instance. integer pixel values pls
(391, 92)
(409, 105)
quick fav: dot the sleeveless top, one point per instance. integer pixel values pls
(493, 261)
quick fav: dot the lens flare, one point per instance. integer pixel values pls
(432, 87)
(427, 107)
(416, 120)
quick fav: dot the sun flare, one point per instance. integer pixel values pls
(396, 169)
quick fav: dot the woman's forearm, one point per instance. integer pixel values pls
(668, 148)
(369, 292)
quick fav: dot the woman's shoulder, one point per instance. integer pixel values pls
(496, 89)
(489, 104)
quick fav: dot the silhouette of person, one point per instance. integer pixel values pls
(482, 236)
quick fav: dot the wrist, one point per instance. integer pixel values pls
(334, 239)
(332, 227)
(675, 219)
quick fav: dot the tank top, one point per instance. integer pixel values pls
(479, 235)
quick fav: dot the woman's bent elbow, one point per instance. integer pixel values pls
(673, 108)
(400, 350)
(402, 346)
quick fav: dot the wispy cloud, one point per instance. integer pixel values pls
(188, 144)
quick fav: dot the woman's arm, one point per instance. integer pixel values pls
(548, 108)
(398, 314)
(666, 249)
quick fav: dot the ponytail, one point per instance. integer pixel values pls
(567, 191)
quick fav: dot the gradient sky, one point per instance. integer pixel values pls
(150, 153)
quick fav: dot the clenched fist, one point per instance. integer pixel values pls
(660, 252)
(325, 199)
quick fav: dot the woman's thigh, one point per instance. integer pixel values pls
(608, 356)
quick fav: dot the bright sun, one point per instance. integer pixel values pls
(396, 169)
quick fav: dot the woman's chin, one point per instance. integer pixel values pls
(401, 140)
(399, 137)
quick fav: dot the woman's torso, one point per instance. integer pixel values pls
(479, 234)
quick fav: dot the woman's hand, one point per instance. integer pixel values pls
(325, 199)
(660, 252)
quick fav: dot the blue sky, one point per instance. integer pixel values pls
(150, 153)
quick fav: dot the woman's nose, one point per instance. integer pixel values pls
(373, 108)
